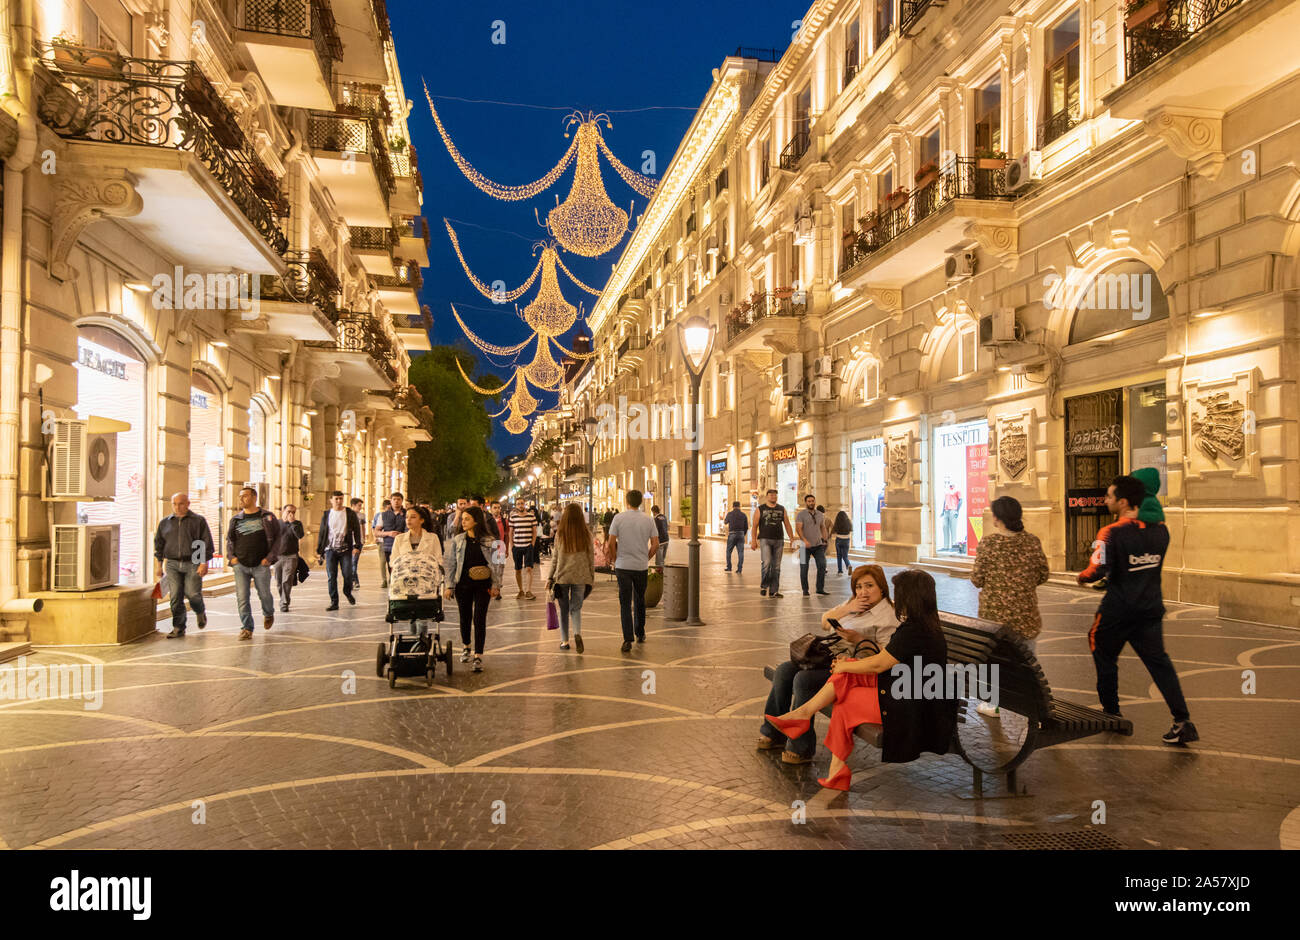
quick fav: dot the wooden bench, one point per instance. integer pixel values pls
(1031, 717)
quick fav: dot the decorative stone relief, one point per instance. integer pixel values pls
(1220, 426)
(82, 195)
(804, 449)
(889, 299)
(898, 461)
(997, 238)
(763, 464)
(1015, 437)
(1194, 134)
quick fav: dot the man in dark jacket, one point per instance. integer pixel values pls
(252, 545)
(338, 545)
(737, 528)
(661, 526)
(1129, 553)
(183, 545)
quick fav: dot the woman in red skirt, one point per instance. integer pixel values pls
(859, 697)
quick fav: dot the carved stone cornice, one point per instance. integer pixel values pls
(888, 299)
(998, 238)
(82, 195)
(1194, 134)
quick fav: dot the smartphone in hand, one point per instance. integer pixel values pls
(835, 624)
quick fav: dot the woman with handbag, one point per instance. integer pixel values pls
(866, 618)
(843, 531)
(910, 725)
(286, 567)
(472, 580)
(573, 572)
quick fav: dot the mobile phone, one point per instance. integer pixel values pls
(835, 624)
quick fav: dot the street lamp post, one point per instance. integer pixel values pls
(696, 338)
(589, 437)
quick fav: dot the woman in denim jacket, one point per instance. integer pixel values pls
(472, 580)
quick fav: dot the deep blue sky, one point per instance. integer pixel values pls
(598, 56)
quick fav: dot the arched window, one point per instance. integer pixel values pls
(111, 383)
(961, 353)
(258, 448)
(1119, 297)
(870, 389)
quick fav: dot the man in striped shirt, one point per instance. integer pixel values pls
(523, 541)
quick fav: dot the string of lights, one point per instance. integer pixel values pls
(479, 285)
(484, 344)
(574, 278)
(645, 185)
(570, 353)
(478, 388)
(493, 189)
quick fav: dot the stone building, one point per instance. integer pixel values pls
(212, 238)
(957, 251)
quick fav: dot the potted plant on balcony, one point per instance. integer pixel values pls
(990, 159)
(69, 51)
(1139, 12)
(927, 174)
(897, 199)
(784, 293)
(397, 144)
(867, 222)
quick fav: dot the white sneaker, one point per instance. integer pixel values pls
(989, 711)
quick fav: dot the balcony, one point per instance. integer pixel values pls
(354, 164)
(413, 331)
(795, 149)
(1058, 125)
(374, 247)
(912, 15)
(1208, 55)
(762, 55)
(364, 99)
(362, 351)
(401, 292)
(413, 239)
(206, 196)
(303, 302)
(911, 237)
(408, 195)
(768, 321)
(294, 45)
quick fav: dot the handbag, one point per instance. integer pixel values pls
(303, 571)
(867, 647)
(480, 573)
(552, 615)
(811, 651)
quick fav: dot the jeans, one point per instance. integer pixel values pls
(286, 575)
(631, 602)
(383, 563)
(1107, 638)
(949, 519)
(842, 562)
(473, 603)
(569, 599)
(184, 584)
(261, 576)
(736, 540)
(333, 562)
(770, 551)
(818, 554)
(791, 687)
(660, 553)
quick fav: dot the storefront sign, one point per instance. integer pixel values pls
(780, 454)
(110, 367)
(1089, 502)
(1094, 440)
(718, 465)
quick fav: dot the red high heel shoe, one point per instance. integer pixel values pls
(840, 781)
(791, 729)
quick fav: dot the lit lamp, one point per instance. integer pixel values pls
(696, 337)
(589, 437)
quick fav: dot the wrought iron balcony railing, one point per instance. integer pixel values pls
(762, 55)
(92, 94)
(338, 134)
(413, 321)
(1162, 33)
(965, 181)
(911, 11)
(372, 238)
(306, 19)
(415, 226)
(360, 332)
(795, 149)
(850, 72)
(406, 165)
(763, 307)
(309, 279)
(364, 99)
(381, 19)
(1058, 124)
(408, 276)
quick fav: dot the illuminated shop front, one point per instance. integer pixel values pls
(867, 482)
(959, 486)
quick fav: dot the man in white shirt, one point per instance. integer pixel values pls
(337, 547)
(633, 540)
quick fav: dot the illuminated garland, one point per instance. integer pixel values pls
(497, 190)
(483, 344)
(587, 223)
(574, 278)
(501, 412)
(644, 185)
(515, 424)
(479, 285)
(479, 388)
(570, 353)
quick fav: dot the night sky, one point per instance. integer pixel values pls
(612, 57)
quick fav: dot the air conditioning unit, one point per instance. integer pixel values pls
(959, 266)
(999, 327)
(824, 365)
(795, 405)
(803, 230)
(823, 389)
(792, 374)
(85, 557)
(1024, 170)
(82, 464)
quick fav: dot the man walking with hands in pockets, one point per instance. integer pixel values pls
(633, 539)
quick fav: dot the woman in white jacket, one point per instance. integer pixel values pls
(416, 559)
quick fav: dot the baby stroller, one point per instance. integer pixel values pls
(414, 597)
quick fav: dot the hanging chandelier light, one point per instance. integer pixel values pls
(550, 314)
(587, 223)
(544, 371)
(515, 424)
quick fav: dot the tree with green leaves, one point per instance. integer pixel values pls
(458, 461)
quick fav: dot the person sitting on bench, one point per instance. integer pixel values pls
(911, 724)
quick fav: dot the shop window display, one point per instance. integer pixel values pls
(960, 486)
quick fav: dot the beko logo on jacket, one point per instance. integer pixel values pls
(1138, 562)
(77, 893)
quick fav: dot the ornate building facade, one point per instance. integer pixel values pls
(958, 251)
(212, 246)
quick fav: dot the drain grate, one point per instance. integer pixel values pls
(1071, 841)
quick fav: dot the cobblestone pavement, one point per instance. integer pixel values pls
(207, 742)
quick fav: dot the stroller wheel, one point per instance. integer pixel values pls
(392, 678)
(446, 657)
(428, 677)
(381, 660)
